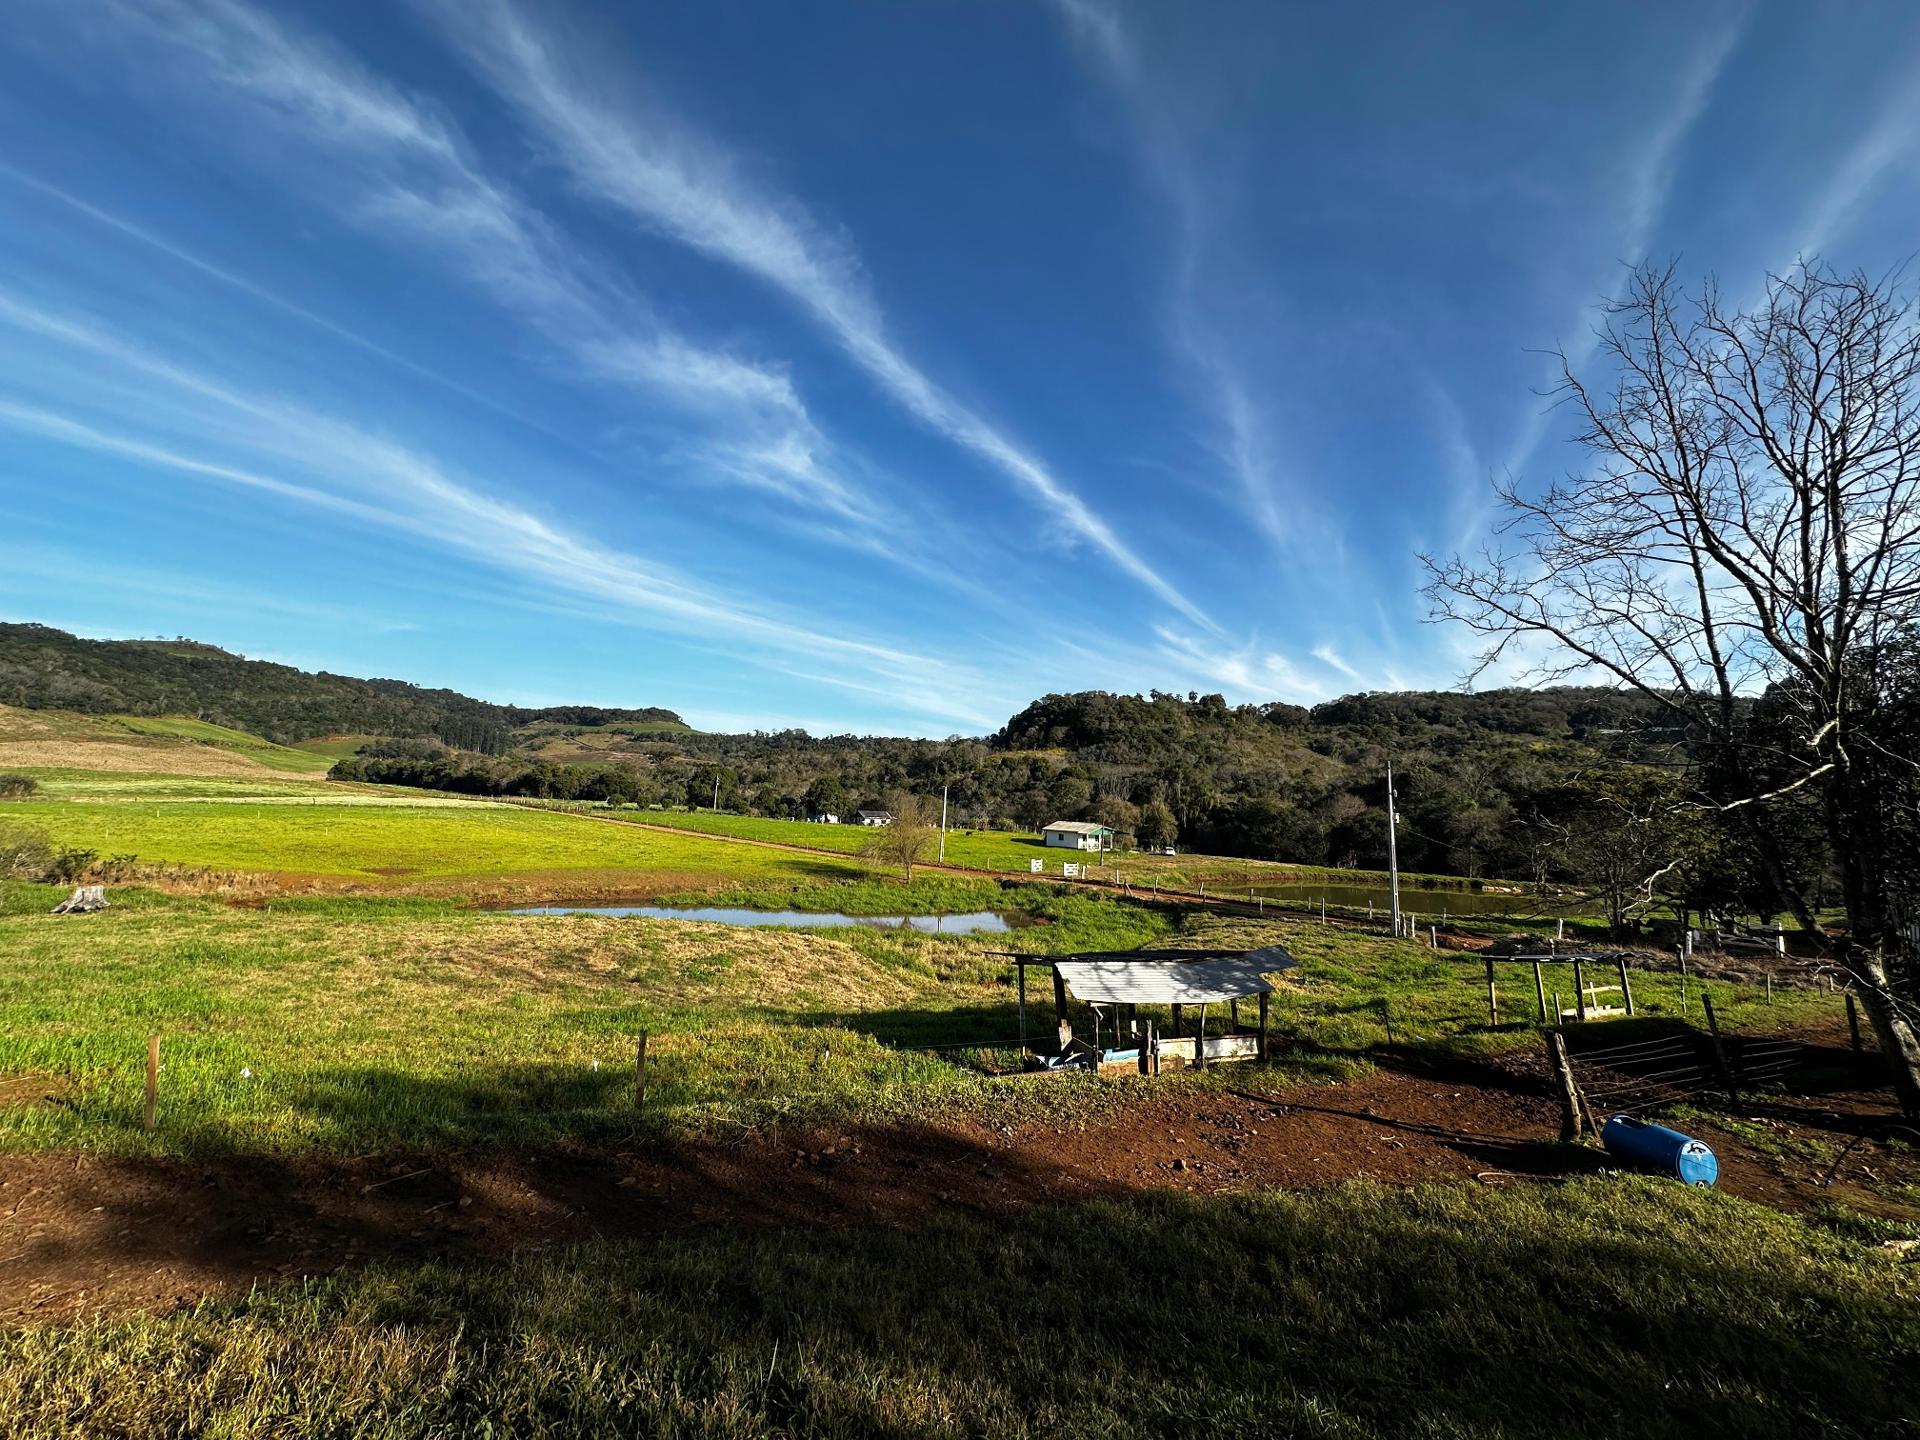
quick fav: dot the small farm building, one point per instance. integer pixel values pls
(1142, 1003)
(1077, 835)
(874, 817)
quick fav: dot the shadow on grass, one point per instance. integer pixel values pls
(1596, 1309)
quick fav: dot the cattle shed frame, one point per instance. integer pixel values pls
(1114, 984)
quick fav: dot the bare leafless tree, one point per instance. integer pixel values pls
(907, 838)
(1746, 526)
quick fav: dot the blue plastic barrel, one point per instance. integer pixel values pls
(1656, 1148)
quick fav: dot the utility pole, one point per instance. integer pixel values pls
(1393, 854)
(943, 824)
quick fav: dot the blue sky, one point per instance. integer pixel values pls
(869, 367)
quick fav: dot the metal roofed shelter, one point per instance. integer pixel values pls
(1115, 984)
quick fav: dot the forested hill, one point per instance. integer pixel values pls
(46, 669)
(1146, 730)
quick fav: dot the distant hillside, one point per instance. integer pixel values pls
(46, 669)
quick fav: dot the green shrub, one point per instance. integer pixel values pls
(18, 787)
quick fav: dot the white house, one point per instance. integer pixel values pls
(1077, 835)
(874, 817)
(825, 817)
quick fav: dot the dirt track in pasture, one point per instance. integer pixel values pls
(85, 1234)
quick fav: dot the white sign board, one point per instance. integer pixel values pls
(1069, 869)
(1034, 867)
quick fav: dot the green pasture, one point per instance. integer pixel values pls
(401, 836)
(344, 1024)
(1012, 850)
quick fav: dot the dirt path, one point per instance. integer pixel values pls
(82, 1234)
(85, 1233)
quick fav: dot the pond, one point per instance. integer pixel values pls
(977, 922)
(1421, 902)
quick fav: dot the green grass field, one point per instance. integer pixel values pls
(1600, 1308)
(379, 1023)
(317, 1028)
(1014, 851)
(402, 835)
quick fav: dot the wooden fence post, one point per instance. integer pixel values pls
(640, 1071)
(1626, 985)
(1263, 1026)
(1493, 998)
(153, 1077)
(1540, 989)
(1568, 1091)
(1719, 1049)
(1579, 990)
(1853, 1022)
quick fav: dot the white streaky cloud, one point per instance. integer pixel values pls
(408, 172)
(314, 459)
(1246, 673)
(1331, 658)
(1642, 201)
(1888, 142)
(261, 293)
(1243, 439)
(676, 182)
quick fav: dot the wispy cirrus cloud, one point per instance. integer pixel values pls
(1885, 146)
(405, 170)
(678, 182)
(214, 429)
(1641, 194)
(1243, 434)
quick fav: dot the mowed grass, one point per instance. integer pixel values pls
(1629, 1308)
(406, 837)
(353, 1025)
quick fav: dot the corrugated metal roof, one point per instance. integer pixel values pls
(1173, 982)
(1080, 827)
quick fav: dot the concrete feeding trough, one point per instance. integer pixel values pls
(1114, 985)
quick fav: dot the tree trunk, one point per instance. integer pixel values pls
(1869, 931)
(1895, 1030)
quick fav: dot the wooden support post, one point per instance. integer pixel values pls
(1176, 1022)
(1568, 1093)
(1233, 1016)
(1200, 1040)
(1540, 989)
(1769, 978)
(1853, 1022)
(1493, 997)
(1557, 1011)
(1626, 986)
(1020, 974)
(1579, 991)
(1719, 1048)
(1060, 1009)
(1386, 1018)
(640, 1071)
(153, 1077)
(1153, 1044)
(1263, 1025)
(1146, 1052)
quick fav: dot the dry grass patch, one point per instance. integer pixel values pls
(128, 757)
